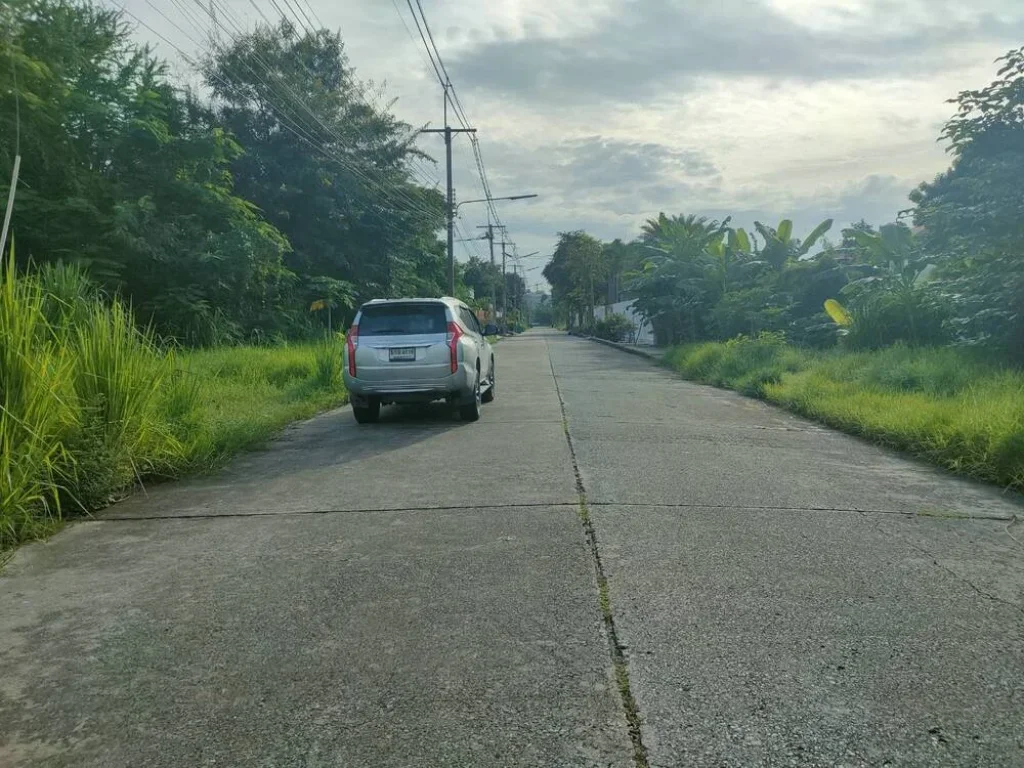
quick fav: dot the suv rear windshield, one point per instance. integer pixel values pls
(403, 320)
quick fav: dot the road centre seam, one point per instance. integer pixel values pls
(616, 650)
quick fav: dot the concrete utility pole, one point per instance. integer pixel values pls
(518, 298)
(504, 287)
(490, 237)
(450, 212)
(494, 288)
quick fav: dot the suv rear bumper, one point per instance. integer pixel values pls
(458, 386)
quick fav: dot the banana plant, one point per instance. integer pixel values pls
(895, 259)
(728, 254)
(781, 247)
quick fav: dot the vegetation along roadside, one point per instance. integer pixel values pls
(91, 404)
(952, 406)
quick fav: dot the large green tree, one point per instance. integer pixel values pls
(129, 176)
(328, 170)
(972, 216)
(577, 272)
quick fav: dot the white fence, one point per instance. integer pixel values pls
(644, 334)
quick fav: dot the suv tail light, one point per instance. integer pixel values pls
(351, 341)
(454, 334)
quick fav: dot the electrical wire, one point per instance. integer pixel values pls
(441, 78)
(295, 127)
(310, 131)
(416, 167)
(296, 10)
(451, 96)
(318, 21)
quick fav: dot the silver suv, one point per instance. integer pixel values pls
(417, 350)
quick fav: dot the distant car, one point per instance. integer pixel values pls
(417, 351)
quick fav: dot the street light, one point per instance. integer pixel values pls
(492, 199)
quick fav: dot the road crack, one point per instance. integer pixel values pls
(954, 574)
(615, 648)
(779, 508)
(299, 512)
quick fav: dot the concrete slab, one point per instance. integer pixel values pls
(644, 436)
(413, 458)
(415, 638)
(766, 638)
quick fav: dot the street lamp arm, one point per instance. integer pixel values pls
(492, 199)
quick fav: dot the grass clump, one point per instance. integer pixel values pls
(90, 404)
(244, 395)
(950, 406)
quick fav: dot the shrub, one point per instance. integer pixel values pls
(743, 363)
(881, 319)
(36, 412)
(328, 364)
(614, 327)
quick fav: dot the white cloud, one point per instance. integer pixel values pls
(615, 109)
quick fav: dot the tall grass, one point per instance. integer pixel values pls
(246, 394)
(950, 406)
(90, 404)
(36, 413)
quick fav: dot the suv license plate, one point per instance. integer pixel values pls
(402, 354)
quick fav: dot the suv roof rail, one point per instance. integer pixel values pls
(408, 299)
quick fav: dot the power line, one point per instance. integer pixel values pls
(295, 12)
(452, 97)
(310, 7)
(293, 125)
(294, 118)
(416, 169)
(441, 78)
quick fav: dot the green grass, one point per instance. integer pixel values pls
(950, 406)
(245, 395)
(90, 405)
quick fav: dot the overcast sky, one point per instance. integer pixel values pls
(614, 110)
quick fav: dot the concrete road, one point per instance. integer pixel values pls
(739, 588)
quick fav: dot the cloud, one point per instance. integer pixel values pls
(599, 162)
(613, 110)
(653, 44)
(597, 175)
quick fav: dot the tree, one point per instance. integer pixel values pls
(620, 259)
(676, 285)
(972, 216)
(329, 171)
(128, 176)
(484, 278)
(576, 272)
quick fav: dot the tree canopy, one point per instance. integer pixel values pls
(957, 276)
(218, 217)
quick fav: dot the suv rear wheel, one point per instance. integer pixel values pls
(488, 396)
(367, 414)
(471, 411)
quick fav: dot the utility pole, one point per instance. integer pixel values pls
(494, 288)
(490, 237)
(504, 287)
(450, 212)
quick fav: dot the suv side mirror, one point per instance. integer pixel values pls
(490, 330)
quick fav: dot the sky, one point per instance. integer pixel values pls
(614, 110)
